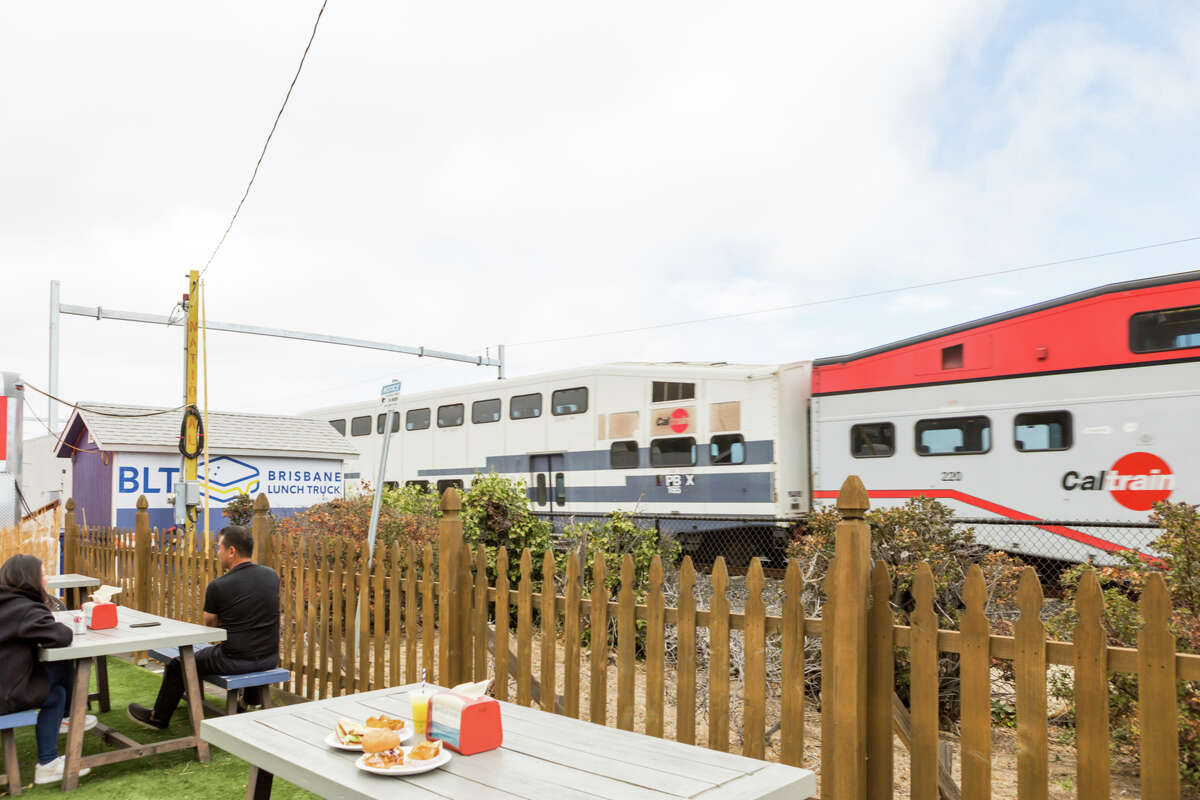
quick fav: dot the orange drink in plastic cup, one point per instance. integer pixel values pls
(420, 707)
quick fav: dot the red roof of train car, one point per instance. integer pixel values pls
(1085, 331)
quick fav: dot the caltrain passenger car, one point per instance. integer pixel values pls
(661, 438)
(1082, 408)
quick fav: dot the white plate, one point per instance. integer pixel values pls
(332, 740)
(408, 767)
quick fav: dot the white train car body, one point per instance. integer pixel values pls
(1081, 408)
(678, 438)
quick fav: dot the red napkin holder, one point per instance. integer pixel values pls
(100, 616)
(463, 724)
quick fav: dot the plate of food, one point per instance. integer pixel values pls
(383, 754)
(348, 733)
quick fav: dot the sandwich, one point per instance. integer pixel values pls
(349, 732)
(382, 748)
(425, 750)
(391, 723)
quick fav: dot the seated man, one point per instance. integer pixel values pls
(245, 602)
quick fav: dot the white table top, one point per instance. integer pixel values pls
(70, 581)
(123, 639)
(544, 755)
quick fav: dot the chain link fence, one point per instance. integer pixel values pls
(1048, 545)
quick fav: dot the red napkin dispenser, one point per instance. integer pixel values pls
(100, 616)
(465, 725)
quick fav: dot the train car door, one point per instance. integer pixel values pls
(549, 481)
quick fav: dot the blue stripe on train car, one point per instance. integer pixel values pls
(757, 453)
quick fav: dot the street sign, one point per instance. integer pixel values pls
(389, 395)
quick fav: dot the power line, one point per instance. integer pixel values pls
(859, 296)
(262, 154)
(91, 410)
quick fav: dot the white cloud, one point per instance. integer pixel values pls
(455, 176)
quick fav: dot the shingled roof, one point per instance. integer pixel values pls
(139, 429)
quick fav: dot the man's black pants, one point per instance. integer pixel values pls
(209, 661)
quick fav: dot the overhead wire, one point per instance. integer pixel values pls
(93, 410)
(858, 296)
(52, 433)
(271, 133)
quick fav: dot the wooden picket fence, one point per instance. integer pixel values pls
(433, 611)
(36, 535)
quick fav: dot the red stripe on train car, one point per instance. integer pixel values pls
(986, 505)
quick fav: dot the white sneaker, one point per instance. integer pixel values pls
(89, 722)
(53, 772)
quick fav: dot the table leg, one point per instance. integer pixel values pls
(79, 695)
(259, 785)
(102, 683)
(195, 699)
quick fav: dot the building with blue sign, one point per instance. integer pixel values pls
(121, 452)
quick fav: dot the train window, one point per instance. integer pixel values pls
(450, 416)
(873, 440)
(422, 485)
(443, 485)
(676, 451)
(569, 401)
(483, 411)
(380, 421)
(953, 436)
(667, 391)
(1170, 329)
(525, 406)
(560, 489)
(395, 421)
(417, 419)
(727, 448)
(539, 491)
(391, 486)
(623, 455)
(360, 426)
(339, 425)
(1042, 430)
(952, 357)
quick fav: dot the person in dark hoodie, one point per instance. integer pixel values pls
(26, 683)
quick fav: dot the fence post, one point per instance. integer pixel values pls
(141, 555)
(260, 529)
(70, 539)
(847, 676)
(450, 545)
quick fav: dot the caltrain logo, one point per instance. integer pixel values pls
(1136, 481)
(679, 420)
(227, 478)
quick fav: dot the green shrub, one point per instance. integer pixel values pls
(904, 537)
(496, 512)
(405, 515)
(1178, 561)
(614, 536)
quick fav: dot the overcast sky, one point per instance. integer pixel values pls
(457, 175)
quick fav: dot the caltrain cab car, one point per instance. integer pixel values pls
(1079, 408)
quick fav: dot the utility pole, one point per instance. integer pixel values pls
(191, 434)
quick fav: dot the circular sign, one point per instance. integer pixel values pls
(679, 420)
(1139, 480)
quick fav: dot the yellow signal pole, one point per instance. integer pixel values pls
(189, 394)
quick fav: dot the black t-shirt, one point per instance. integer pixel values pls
(246, 602)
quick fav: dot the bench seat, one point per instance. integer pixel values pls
(233, 684)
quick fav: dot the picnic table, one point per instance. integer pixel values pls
(544, 755)
(126, 639)
(71, 582)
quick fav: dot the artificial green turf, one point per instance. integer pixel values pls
(172, 775)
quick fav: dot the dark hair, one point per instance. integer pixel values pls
(23, 574)
(239, 539)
